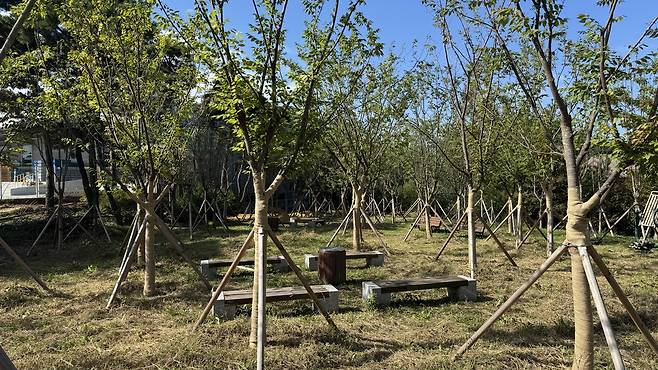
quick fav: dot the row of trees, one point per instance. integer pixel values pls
(503, 100)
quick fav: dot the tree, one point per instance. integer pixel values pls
(141, 80)
(369, 106)
(266, 95)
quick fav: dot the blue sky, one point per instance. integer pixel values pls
(403, 21)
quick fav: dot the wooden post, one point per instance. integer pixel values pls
(534, 226)
(43, 230)
(452, 233)
(337, 230)
(600, 309)
(623, 299)
(301, 278)
(412, 227)
(381, 241)
(510, 301)
(24, 265)
(225, 280)
(262, 296)
(125, 266)
(498, 242)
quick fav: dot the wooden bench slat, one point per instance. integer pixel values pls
(276, 294)
(243, 262)
(392, 286)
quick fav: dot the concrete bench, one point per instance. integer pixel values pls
(459, 287)
(226, 304)
(209, 267)
(373, 258)
(435, 224)
(312, 222)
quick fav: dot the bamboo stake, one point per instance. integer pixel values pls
(301, 277)
(452, 233)
(623, 299)
(77, 224)
(498, 242)
(337, 230)
(262, 297)
(510, 301)
(413, 225)
(534, 226)
(43, 230)
(24, 265)
(509, 214)
(381, 241)
(125, 266)
(600, 309)
(225, 280)
(100, 219)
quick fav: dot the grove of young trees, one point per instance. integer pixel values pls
(508, 101)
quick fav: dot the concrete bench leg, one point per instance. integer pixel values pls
(222, 310)
(464, 293)
(207, 271)
(371, 291)
(376, 261)
(282, 265)
(330, 302)
(311, 262)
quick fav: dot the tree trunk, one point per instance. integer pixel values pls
(548, 193)
(149, 246)
(60, 219)
(260, 220)
(510, 219)
(519, 219)
(472, 257)
(86, 185)
(50, 173)
(140, 248)
(577, 234)
(428, 227)
(357, 238)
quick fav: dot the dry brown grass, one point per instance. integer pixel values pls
(418, 331)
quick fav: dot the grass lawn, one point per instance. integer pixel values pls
(419, 330)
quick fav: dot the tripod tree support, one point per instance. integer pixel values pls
(585, 253)
(452, 233)
(24, 265)
(225, 280)
(374, 230)
(498, 242)
(511, 300)
(166, 231)
(127, 261)
(600, 309)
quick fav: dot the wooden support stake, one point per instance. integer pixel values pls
(413, 225)
(498, 242)
(262, 297)
(452, 233)
(509, 214)
(24, 265)
(125, 265)
(600, 309)
(510, 301)
(301, 277)
(225, 280)
(534, 226)
(337, 230)
(50, 219)
(623, 299)
(374, 230)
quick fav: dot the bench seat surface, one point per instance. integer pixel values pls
(391, 286)
(278, 294)
(243, 262)
(361, 254)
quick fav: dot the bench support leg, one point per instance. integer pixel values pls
(376, 261)
(282, 266)
(373, 293)
(330, 302)
(464, 293)
(222, 310)
(311, 262)
(207, 271)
